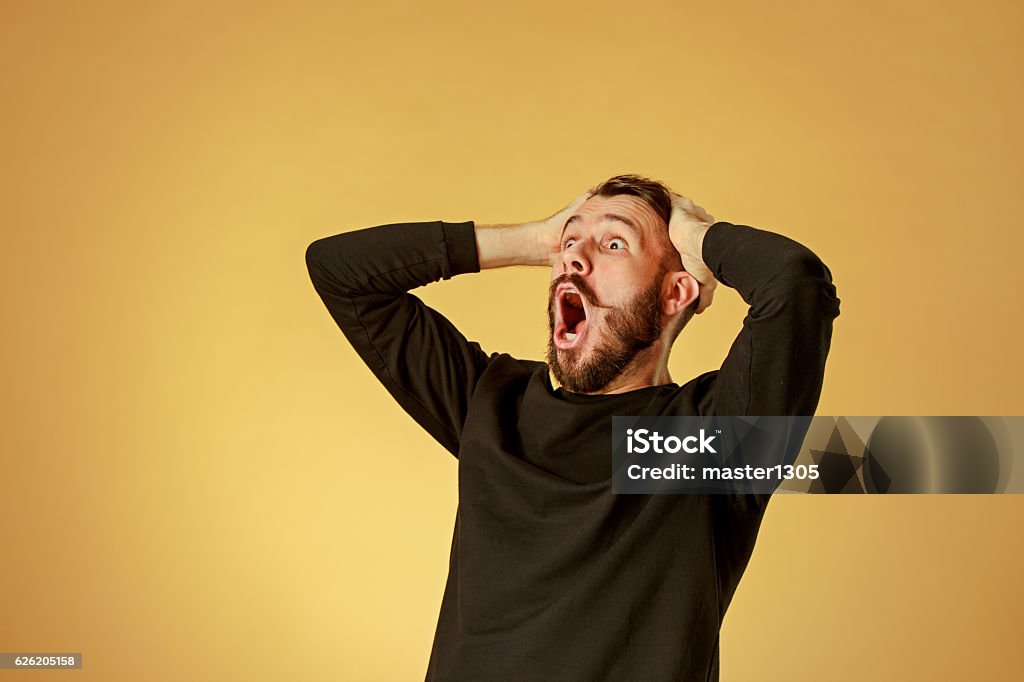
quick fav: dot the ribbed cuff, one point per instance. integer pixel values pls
(460, 240)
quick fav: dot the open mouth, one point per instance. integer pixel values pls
(570, 317)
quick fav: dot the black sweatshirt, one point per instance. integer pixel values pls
(551, 576)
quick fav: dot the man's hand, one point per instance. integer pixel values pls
(686, 228)
(534, 243)
(549, 231)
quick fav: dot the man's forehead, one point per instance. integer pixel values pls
(626, 210)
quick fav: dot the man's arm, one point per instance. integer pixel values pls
(426, 364)
(776, 365)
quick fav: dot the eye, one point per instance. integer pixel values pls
(569, 242)
(616, 243)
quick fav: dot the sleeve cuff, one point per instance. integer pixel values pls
(460, 240)
(712, 245)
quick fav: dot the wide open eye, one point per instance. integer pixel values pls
(616, 243)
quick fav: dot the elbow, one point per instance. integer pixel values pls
(807, 265)
(313, 258)
(807, 270)
(328, 270)
(809, 281)
(318, 274)
(821, 277)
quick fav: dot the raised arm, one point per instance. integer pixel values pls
(363, 277)
(776, 365)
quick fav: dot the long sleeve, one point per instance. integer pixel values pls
(776, 365)
(364, 276)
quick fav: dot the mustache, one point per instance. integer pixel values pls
(579, 284)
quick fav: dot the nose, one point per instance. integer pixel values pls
(575, 261)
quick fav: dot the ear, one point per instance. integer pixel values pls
(681, 289)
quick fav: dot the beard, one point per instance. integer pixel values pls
(628, 330)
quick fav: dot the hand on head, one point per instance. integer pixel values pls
(686, 228)
(550, 229)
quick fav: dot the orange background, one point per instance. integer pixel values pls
(200, 480)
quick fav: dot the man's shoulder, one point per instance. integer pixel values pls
(699, 391)
(702, 382)
(505, 366)
(507, 361)
(507, 377)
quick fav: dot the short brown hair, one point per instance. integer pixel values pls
(658, 196)
(653, 192)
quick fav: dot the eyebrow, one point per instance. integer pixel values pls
(607, 217)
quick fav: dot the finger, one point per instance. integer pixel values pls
(705, 301)
(575, 203)
(679, 200)
(707, 294)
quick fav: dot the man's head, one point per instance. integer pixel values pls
(619, 295)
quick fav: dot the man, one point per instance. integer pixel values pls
(552, 577)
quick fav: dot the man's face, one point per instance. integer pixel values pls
(604, 303)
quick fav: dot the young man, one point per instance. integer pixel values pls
(553, 577)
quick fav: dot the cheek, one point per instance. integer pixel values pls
(617, 290)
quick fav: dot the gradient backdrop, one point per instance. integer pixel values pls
(200, 480)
